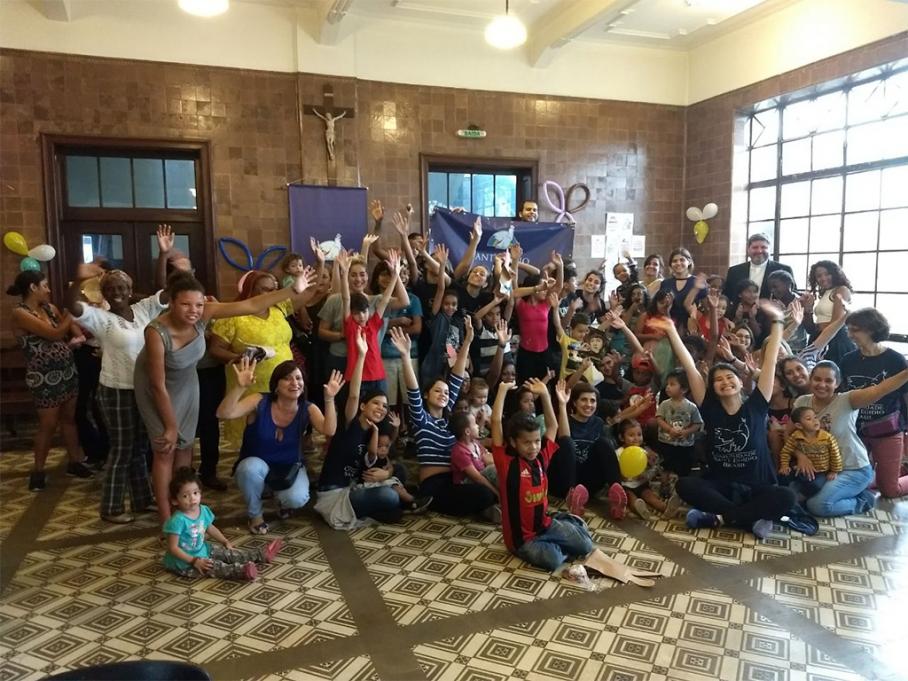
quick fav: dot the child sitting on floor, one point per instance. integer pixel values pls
(640, 496)
(470, 461)
(377, 456)
(522, 461)
(818, 445)
(188, 554)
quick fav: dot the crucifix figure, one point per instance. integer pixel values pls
(330, 114)
(330, 136)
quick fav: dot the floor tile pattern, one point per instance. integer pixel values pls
(441, 599)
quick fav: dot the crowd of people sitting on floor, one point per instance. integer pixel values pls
(754, 402)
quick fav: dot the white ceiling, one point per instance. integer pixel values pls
(673, 24)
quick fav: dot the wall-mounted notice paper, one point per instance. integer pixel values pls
(598, 246)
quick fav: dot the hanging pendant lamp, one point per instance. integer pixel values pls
(505, 31)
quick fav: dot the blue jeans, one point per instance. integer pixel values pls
(567, 537)
(839, 496)
(378, 503)
(250, 478)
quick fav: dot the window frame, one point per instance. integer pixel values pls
(55, 148)
(844, 170)
(525, 169)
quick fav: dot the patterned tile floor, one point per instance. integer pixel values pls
(441, 599)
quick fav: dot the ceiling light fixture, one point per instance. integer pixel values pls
(506, 32)
(204, 8)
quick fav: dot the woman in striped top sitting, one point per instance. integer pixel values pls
(434, 441)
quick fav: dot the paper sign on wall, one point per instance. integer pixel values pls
(598, 246)
(638, 246)
(619, 232)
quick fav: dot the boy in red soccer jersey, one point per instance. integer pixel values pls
(522, 462)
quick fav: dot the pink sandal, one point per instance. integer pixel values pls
(617, 498)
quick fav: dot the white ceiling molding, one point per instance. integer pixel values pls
(563, 24)
(56, 10)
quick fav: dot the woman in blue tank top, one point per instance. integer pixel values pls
(275, 424)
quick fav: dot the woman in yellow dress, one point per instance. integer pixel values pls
(269, 330)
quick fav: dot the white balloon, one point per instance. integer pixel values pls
(43, 253)
(710, 210)
(694, 214)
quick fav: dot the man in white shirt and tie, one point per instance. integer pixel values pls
(757, 269)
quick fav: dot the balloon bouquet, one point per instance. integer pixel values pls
(699, 218)
(15, 242)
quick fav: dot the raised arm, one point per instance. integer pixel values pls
(343, 269)
(556, 317)
(614, 319)
(234, 405)
(864, 397)
(467, 260)
(497, 410)
(401, 221)
(378, 214)
(564, 395)
(165, 245)
(356, 380)
(74, 292)
(326, 423)
(541, 390)
(460, 364)
(504, 338)
(394, 264)
(258, 303)
(771, 351)
(442, 254)
(559, 271)
(403, 343)
(697, 385)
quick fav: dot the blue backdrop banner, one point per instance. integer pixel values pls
(326, 213)
(538, 239)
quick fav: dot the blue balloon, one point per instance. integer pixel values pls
(29, 264)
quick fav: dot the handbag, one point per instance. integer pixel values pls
(281, 476)
(884, 426)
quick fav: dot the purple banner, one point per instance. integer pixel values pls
(326, 213)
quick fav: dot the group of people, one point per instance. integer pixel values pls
(752, 400)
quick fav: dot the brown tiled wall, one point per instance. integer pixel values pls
(711, 142)
(630, 155)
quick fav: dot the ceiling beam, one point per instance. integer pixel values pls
(564, 23)
(57, 10)
(330, 15)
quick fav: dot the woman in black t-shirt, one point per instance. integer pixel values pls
(882, 424)
(739, 487)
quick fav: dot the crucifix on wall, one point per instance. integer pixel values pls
(330, 115)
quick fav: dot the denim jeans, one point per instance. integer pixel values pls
(567, 537)
(250, 478)
(378, 503)
(839, 496)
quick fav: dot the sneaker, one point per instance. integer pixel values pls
(419, 505)
(697, 519)
(576, 499)
(617, 498)
(642, 510)
(119, 518)
(761, 528)
(672, 506)
(78, 470)
(270, 551)
(37, 481)
(250, 571)
(493, 514)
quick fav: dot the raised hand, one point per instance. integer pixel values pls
(316, 250)
(515, 250)
(477, 228)
(441, 255)
(549, 375)
(507, 387)
(577, 303)
(245, 371)
(304, 280)
(613, 318)
(664, 325)
(562, 392)
(723, 349)
(614, 300)
(334, 384)
(393, 419)
(770, 310)
(361, 345)
(536, 386)
(468, 333)
(503, 332)
(553, 300)
(88, 270)
(394, 261)
(165, 238)
(700, 282)
(796, 310)
(401, 341)
(556, 258)
(368, 240)
(343, 262)
(376, 210)
(712, 299)
(401, 223)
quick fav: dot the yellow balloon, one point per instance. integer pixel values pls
(701, 229)
(16, 243)
(632, 462)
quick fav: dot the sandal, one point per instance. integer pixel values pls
(258, 528)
